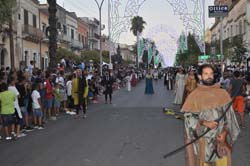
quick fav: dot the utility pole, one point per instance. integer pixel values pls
(221, 43)
(204, 26)
(109, 31)
(100, 32)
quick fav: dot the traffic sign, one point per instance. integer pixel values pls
(218, 11)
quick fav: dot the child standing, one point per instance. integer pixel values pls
(37, 107)
(57, 99)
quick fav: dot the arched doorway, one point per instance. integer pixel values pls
(3, 58)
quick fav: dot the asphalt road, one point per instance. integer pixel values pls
(132, 131)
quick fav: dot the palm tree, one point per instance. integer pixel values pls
(52, 33)
(137, 26)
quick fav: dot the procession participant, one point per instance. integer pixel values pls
(202, 108)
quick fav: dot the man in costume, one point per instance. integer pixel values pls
(168, 79)
(80, 92)
(108, 81)
(201, 110)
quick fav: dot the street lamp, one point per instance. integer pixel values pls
(100, 32)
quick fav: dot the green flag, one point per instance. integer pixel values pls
(141, 47)
(150, 54)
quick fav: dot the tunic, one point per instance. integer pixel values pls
(208, 103)
(179, 85)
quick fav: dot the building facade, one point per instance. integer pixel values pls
(83, 33)
(234, 26)
(31, 34)
(94, 36)
(127, 52)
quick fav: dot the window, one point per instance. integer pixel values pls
(231, 30)
(240, 27)
(26, 58)
(43, 27)
(245, 26)
(59, 26)
(26, 17)
(72, 33)
(228, 33)
(3, 52)
(65, 29)
(34, 57)
(34, 20)
(79, 37)
(236, 30)
(19, 16)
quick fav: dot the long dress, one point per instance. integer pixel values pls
(133, 79)
(128, 80)
(179, 88)
(149, 84)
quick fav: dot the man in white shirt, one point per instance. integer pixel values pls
(19, 117)
(36, 105)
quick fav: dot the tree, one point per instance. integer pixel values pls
(137, 26)
(62, 53)
(239, 53)
(53, 33)
(189, 57)
(94, 55)
(6, 10)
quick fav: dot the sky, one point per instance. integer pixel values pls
(164, 24)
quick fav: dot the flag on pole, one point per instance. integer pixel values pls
(150, 54)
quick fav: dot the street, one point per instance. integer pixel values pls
(132, 131)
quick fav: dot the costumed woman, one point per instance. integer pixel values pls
(149, 84)
(179, 86)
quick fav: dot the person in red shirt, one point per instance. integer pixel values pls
(48, 95)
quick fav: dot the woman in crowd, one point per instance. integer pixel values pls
(179, 86)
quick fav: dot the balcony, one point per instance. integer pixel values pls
(32, 34)
(94, 37)
(76, 44)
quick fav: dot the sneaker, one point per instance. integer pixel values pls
(40, 127)
(84, 116)
(72, 113)
(13, 134)
(21, 135)
(68, 112)
(0, 137)
(8, 138)
(53, 118)
(36, 127)
(29, 128)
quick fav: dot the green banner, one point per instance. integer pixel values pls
(141, 47)
(150, 54)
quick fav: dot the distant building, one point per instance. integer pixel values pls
(93, 35)
(31, 34)
(127, 52)
(27, 36)
(235, 26)
(208, 36)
